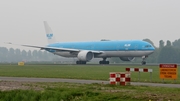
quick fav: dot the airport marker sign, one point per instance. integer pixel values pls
(168, 71)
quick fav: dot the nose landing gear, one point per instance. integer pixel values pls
(144, 60)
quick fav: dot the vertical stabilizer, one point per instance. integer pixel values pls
(49, 33)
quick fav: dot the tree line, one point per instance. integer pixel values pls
(16, 55)
(167, 52)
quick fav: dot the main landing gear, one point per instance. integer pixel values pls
(80, 62)
(144, 60)
(104, 61)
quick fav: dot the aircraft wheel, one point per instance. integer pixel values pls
(107, 62)
(83, 62)
(77, 62)
(100, 62)
(80, 62)
(103, 62)
(143, 62)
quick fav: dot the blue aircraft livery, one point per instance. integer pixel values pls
(126, 50)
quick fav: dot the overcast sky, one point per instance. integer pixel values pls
(21, 21)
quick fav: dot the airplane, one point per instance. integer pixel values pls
(126, 50)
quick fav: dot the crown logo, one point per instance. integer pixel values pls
(49, 36)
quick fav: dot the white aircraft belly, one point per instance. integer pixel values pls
(124, 53)
(110, 54)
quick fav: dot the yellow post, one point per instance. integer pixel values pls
(20, 63)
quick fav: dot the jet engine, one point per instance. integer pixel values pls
(127, 58)
(85, 55)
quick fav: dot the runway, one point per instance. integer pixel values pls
(25, 79)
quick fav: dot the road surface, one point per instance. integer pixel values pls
(25, 79)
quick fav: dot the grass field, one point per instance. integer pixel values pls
(88, 92)
(95, 72)
(24, 91)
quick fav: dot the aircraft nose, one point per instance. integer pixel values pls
(153, 49)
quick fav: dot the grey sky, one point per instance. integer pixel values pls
(21, 21)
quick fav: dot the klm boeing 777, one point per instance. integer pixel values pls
(126, 50)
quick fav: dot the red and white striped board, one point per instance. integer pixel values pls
(120, 78)
(139, 70)
(113, 77)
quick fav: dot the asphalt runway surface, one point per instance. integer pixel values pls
(25, 79)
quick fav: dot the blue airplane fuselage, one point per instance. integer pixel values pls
(125, 48)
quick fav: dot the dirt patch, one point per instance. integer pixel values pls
(12, 85)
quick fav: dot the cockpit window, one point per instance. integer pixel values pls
(148, 46)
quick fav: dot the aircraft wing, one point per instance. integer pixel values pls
(54, 48)
(59, 49)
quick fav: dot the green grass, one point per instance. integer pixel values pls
(84, 92)
(96, 72)
(91, 92)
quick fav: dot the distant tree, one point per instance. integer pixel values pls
(40, 55)
(18, 55)
(169, 54)
(35, 55)
(4, 50)
(24, 55)
(168, 43)
(18, 52)
(176, 43)
(161, 44)
(11, 55)
(45, 56)
(4, 54)
(29, 55)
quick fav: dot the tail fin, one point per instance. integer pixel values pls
(49, 33)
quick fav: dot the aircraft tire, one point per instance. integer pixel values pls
(80, 62)
(100, 62)
(143, 62)
(107, 62)
(103, 62)
(77, 62)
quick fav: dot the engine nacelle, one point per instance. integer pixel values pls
(85, 55)
(127, 58)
